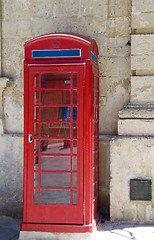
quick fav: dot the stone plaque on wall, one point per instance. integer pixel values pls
(140, 189)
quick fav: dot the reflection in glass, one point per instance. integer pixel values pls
(74, 180)
(35, 196)
(36, 80)
(54, 146)
(55, 80)
(36, 130)
(74, 80)
(95, 97)
(55, 163)
(74, 197)
(74, 130)
(36, 97)
(95, 191)
(55, 179)
(74, 96)
(95, 82)
(55, 97)
(95, 113)
(35, 179)
(95, 159)
(95, 144)
(95, 175)
(74, 146)
(74, 113)
(36, 113)
(36, 159)
(74, 163)
(36, 146)
(55, 196)
(55, 113)
(55, 130)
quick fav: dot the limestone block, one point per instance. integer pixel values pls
(11, 159)
(44, 9)
(142, 89)
(16, 10)
(119, 8)
(13, 112)
(118, 26)
(142, 44)
(90, 7)
(130, 158)
(145, 62)
(117, 46)
(142, 6)
(133, 127)
(1, 127)
(109, 113)
(119, 66)
(143, 22)
(137, 113)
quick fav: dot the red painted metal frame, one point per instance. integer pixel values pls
(90, 69)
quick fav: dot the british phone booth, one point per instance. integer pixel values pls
(61, 134)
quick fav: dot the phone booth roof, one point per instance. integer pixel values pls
(61, 46)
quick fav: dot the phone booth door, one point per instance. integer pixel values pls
(55, 145)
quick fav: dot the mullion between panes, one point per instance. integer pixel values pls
(71, 135)
(39, 152)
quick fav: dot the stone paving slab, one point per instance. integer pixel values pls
(105, 231)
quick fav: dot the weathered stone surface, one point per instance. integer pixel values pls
(142, 89)
(11, 161)
(142, 44)
(142, 6)
(144, 62)
(133, 127)
(137, 113)
(143, 22)
(131, 158)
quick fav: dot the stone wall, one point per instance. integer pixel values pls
(131, 154)
(108, 22)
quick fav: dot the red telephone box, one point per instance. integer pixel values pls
(61, 134)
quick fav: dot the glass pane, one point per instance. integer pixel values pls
(74, 163)
(74, 96)
(55, 97)
(95, 174)
(74, 180)
(95, 144)
(74, 146)
(95, 159)
(95, 97)
(95, 191)
(74, 113)
(36, 130)
(95, 82)
(95, 128)
(74, 197)
(35, 196)
(36, 113)
(36, 80)
(36, 97)
(55, 80)
(74, 130)
(35, 179)
(55, 196)
(55, 113)
(36, 146)
(55, 163)
(36, 159)
(53, 146)
(55, 179)
(55, 130)
(74, 80)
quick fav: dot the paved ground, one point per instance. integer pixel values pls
(105, 231)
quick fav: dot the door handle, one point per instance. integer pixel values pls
(30, 138)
